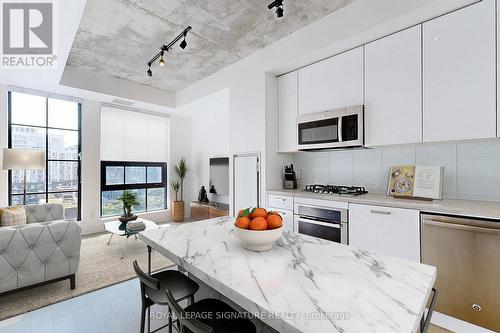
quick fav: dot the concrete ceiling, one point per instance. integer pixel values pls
(118, 37)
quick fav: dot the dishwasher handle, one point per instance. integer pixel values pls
(464, 227)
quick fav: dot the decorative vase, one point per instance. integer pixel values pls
(178, 211)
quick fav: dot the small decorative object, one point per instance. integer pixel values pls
(258, 229)
(202, 195)
(178, 205)
(128, 199)
(420, 182)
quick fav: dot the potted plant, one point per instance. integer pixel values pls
(181, 169)
(128, 199)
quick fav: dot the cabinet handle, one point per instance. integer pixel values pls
(380, 212)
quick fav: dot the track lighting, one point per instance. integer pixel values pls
(162, 62)
(166, 48)
(183, 44)
(278, 4)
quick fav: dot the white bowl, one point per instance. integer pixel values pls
(258, 240)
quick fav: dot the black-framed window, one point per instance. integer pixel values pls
(147, 180)
(53, 125)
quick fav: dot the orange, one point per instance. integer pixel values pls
(243, 223)
(258, 223)
(273, 213)
(259, 212)
(274, 222)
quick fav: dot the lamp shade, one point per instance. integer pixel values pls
(23, 159)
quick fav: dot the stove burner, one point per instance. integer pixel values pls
(336, 189)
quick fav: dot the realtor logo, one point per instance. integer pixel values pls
(28, 34)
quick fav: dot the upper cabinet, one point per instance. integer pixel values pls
(332, 84)
(393, 89)
(287, 85)
(459, 74)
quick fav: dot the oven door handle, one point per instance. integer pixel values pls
(325, 224)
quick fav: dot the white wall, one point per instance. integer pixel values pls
(209, 125)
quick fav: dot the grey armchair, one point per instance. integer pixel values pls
(45, 250)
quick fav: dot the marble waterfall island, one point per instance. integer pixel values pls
(303, 284)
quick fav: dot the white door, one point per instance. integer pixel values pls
(386, 231)
(246, 181)
(459, 74)
(332, 84)
(393, 89)
(287, 120)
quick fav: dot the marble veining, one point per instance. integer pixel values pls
(304, 284)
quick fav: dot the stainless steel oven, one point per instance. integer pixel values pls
(332, 129)
(324, 222)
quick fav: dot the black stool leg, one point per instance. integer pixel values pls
(143, 314)
(169, 320)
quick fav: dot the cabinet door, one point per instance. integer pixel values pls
(386, 231)
(393, 89)
(459, 74)
(333, 83)
(287, 118)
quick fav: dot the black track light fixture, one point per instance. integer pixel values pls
(166, 48)
(278, 4)
(162, 61)
(183, 44)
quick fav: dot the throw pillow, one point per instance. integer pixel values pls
(12, 216)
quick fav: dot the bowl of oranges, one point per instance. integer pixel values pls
(258, 229)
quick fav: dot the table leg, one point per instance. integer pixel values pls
(149, 259)
(110, 236)
(124, 247)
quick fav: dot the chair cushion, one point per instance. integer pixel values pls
(179, 284)
(12, 216)
(223, 319)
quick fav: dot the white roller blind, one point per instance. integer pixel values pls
(133, 136)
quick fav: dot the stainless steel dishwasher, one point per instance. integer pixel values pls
(466, 253)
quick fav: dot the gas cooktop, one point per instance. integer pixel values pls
(336, 190)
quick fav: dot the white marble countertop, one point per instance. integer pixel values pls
(469, 208)
(301, 278)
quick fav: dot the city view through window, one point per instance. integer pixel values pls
(146, 180)
(52, 125)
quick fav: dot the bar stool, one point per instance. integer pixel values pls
(204, 317)
(154, 291)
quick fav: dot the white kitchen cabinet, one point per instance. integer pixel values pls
(459, 74)
(332, 84)
(287, 119)
(386, 231)
(393, 89)
(284, 206)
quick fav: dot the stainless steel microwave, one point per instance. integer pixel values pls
(331, 129)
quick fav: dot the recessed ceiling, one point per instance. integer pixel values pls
(118, 37)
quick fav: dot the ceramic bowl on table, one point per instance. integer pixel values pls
(258, 240)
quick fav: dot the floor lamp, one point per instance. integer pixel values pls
(23, 159)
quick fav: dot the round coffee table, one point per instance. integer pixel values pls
(113, 227)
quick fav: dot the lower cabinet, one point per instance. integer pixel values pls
(386, 231)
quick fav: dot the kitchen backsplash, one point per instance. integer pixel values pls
(471, 170)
